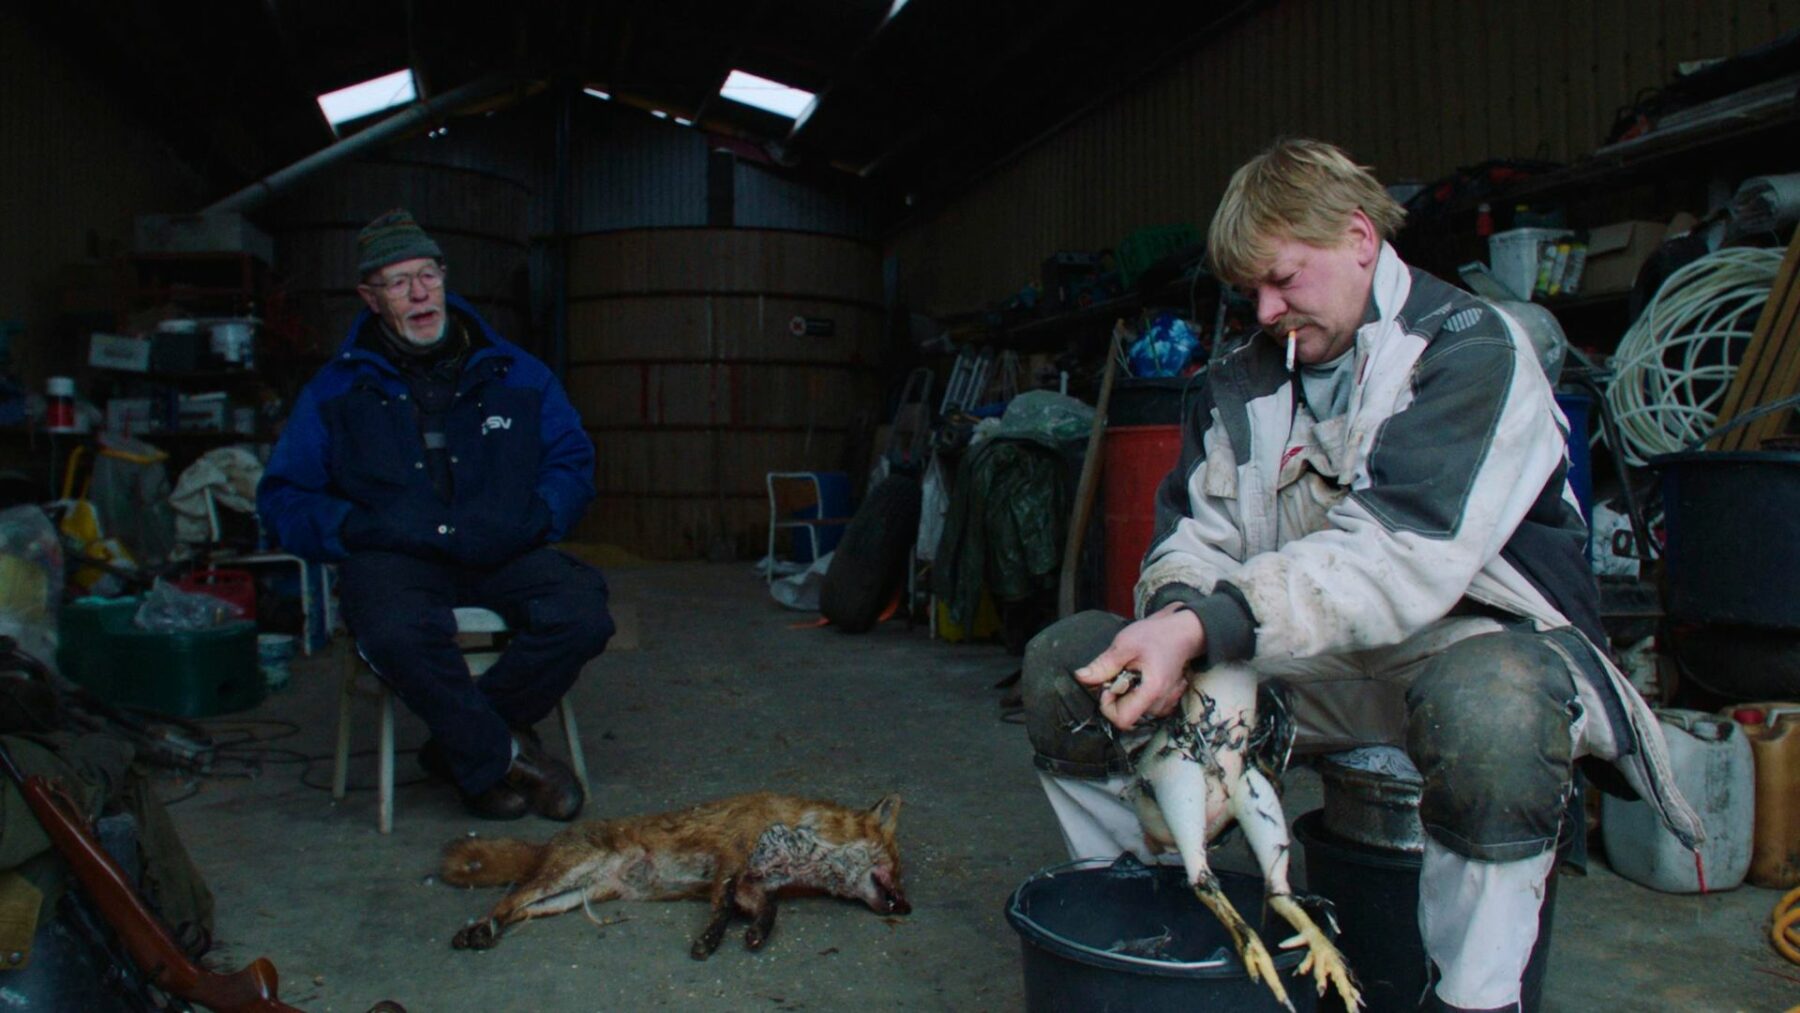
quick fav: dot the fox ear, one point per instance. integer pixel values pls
(887, 812)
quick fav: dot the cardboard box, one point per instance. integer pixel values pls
(1615, 253)
(118, 351)
(201, 412)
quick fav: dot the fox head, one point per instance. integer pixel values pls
(880, 887)
(849, 853)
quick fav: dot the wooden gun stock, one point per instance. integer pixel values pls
(162, 960)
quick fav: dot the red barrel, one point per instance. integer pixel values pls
(1137, 459)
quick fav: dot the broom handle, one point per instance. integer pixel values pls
(1090, 479)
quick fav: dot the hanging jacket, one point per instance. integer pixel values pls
(1443, 487)
(350, 472)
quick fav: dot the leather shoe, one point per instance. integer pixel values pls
(501, 801)
(546, 783)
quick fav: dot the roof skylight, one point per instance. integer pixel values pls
(778, 98)
(369, 97)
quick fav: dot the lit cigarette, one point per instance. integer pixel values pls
(1290, 357)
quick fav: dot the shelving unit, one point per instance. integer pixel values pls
(201, 286)
(1653, 176)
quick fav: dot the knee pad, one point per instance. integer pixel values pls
(1489, 726)
(1069, 735)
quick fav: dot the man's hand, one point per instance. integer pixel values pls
(1158, 647)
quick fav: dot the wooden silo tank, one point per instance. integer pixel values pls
(685, 364)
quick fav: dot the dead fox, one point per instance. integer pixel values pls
(740, 852)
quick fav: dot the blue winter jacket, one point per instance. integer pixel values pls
(350, 473)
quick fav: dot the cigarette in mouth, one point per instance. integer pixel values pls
(1290, 352)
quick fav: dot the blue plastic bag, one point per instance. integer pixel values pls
(1164, 349)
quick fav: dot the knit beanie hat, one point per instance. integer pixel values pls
(391, 238)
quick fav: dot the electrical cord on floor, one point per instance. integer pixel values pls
(242, 749)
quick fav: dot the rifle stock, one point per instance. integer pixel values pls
(252, 989)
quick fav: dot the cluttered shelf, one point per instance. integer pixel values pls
(1768, 114)
(1733, 127)
(1085, 326)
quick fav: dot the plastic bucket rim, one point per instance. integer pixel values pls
(1226, 966)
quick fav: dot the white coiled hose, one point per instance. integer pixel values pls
(1676, 362)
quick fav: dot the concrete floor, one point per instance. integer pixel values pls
(710, 691)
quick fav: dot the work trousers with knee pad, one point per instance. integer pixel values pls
(399, 610)
(1488, 710)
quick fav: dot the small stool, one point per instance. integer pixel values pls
(469, 621)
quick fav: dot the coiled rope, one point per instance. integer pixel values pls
(1675, 363)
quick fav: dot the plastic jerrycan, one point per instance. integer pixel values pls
(1711, 759)
(1774, 732)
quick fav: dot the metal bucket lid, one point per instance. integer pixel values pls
(1372, 798)
(1389, 763)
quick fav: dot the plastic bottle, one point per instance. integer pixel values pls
(1484, 221)
(1710, 756)
(59, 404)
(1774, 733)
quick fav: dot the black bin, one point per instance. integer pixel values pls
(1071, 919)
(1376, 891)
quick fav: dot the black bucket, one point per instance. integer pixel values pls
(1072, 920)
(1376, 891)
(1733, 551)
(1732, 570)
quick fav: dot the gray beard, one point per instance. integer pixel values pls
(400, 344)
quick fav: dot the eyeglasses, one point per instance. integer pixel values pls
(400, 285)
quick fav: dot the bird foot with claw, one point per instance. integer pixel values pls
(1324, 961)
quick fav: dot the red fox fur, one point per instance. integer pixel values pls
(739, 852)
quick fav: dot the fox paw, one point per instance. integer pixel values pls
(481, 935)
(705, 943)
(754, 938)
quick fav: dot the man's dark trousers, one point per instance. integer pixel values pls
(399, 609)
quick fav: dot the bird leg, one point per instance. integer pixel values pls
(1249, 945)
(1258, 811)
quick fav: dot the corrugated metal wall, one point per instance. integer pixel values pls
(767, 200)
(1412, 87)
(73, 169)
(635, 171)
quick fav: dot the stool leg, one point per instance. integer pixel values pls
(387, 760)
(769, 575)
(306, 609)
(576, 758)
(340, 768)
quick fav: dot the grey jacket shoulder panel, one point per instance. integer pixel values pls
(1424, 460)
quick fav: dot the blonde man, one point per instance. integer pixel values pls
(1372, 507)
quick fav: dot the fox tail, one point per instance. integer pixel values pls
(483, 861)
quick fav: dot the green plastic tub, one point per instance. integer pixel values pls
(195, 673)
